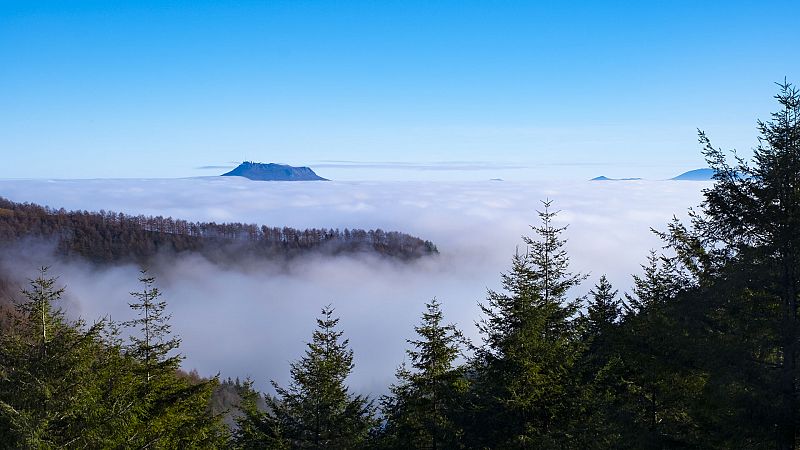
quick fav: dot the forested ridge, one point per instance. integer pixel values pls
(104, 237)
(702, 353)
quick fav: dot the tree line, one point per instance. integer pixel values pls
(702, 353)
(108, 237)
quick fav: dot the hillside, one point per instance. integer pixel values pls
(108, 237)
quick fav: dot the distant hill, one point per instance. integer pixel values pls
(605, 178)
(273, 172)
(692, 175)
(696, 175)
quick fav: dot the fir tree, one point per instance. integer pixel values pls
(658, 356)
(600, 370)
(255, 428)
(524, 392)
(154, 343)
(421, 412)
(116, 412)
(46, 373)
(172, 410)
(549, 262)
(603, 311)
(317, 409)
(743, 248)
(661, 281)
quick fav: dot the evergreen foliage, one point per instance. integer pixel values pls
(522, 393)
(598, 369)
(254, 428)
(652, 347)
(603, 312)
(154, 343)
(66, 385)
(45, 372)
(743, 249)
(172, 409)
(422, 410)
(317, 409)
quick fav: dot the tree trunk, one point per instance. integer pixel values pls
(787, 428)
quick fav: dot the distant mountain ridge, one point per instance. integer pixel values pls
(704, 174)
(273, 172)
(696, 175)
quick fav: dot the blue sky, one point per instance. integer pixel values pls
(409, 89)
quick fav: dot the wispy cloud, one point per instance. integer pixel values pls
(405, 165)
(469, 165)
(215, 167)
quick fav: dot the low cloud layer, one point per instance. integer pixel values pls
(254, 322)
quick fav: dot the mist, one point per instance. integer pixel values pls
(253, 320)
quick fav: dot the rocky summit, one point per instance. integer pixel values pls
(273, 172)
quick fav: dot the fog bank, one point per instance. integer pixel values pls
(253, 322)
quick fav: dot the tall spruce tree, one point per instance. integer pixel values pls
(422, 410)
(744, 249)
(116, 415)
(652, 346)
(256, 428)
(317, 409)
(524, 394)
(46, 373)
(603, 311)
(153, 344)
(173, 410)
(657, 286)
(599, 370)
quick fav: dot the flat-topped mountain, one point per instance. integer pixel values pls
(273, 172)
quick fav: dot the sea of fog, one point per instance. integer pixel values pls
(254, 322)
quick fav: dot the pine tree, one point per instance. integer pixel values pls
(421, 412)
(317, 409)
(524, 392)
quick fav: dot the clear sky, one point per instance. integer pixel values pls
(412, 89)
